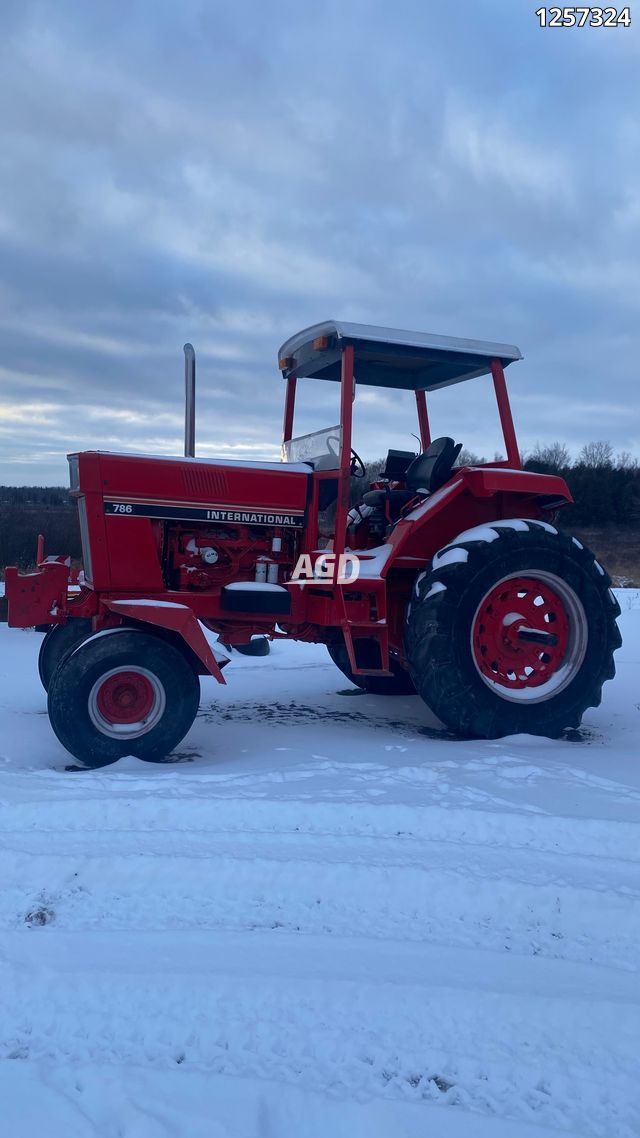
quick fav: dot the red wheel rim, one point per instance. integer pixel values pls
(521, 633)
(125, 697)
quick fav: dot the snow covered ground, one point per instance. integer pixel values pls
(324, 919)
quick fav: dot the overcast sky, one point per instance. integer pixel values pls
(228, 173)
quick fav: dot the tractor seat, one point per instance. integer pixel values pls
(428, 472)
(425, 474)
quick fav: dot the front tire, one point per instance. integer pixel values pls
(59, 641)
(512, 630)
(128, 693)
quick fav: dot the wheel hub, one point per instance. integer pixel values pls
(126, 697)
(522, 635)
(126, 702)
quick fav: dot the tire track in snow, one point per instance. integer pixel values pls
(252, 1012)
(540, 932)
(321, 887)
(399, 851)
(170, 804)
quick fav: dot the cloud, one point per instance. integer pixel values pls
(229, 174)
(492, 152)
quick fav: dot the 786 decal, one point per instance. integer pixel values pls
(584, 17)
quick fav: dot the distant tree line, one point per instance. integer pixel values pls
(605, 486)
(26, 511)
(29, 497)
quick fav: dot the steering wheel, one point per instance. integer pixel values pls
(358, 468)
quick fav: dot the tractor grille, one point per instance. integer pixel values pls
(205, 482)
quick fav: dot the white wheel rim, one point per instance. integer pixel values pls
(576, 647)
(141, 726)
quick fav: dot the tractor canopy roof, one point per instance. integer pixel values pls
(387, 357)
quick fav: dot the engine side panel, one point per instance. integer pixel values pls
(151, 522)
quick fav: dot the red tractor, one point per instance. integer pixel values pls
(447, 581)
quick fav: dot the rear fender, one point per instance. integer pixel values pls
(176, 622)
(486, 481)
(465, 501)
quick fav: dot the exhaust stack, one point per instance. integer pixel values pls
(189, 401)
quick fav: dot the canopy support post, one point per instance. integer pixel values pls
(344, 474)
(289, 405)
(423, 419)
(504, 410)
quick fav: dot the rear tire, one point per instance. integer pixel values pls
(400, 683)
(512, 630)
(59, 641)
(129, 693)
